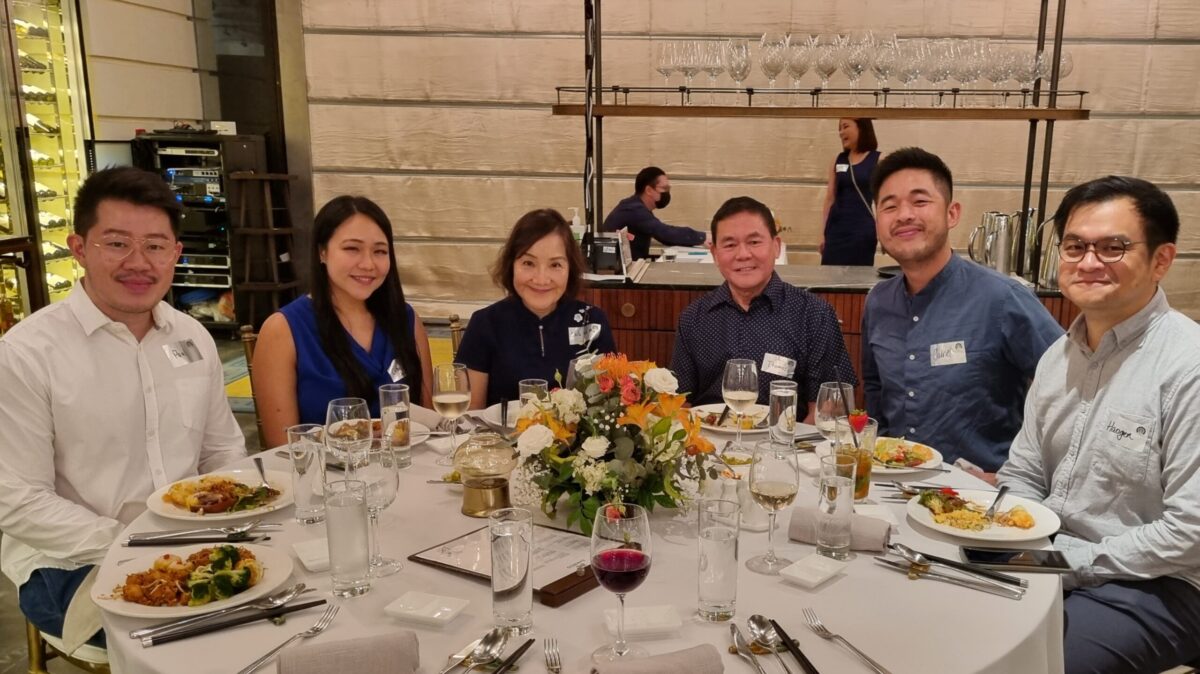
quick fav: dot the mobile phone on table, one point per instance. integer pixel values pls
(1001, 559)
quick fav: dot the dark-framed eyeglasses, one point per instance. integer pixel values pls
(1110, 249)
(116, 247)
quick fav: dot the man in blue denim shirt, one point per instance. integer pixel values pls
(949, 346)
(1111, 439)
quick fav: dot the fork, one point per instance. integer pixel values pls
(553, 661)
(313, 631)
(815, 624)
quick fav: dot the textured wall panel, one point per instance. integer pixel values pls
(162, 92)
(137, 33)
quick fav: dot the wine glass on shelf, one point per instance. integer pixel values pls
(664, 64)
(713, 65)
(688, 61)
(883, 66)
(908, 68)
(1066, 64)
(739, 389)
(998, 68)
(381, 475)
(856, 58)
(937, 65)
(621, 561)
(773, 57)
(834, 400)
(774, 480)
(451, 397)
(800, 52)
(737, 60)
(828, 54)
(348, 431)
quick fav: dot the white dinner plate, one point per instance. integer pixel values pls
(492, 413)
(935, 462)
(757, 413)
(277, 567)
(277, 479)
(417, 433)
(1045, 522)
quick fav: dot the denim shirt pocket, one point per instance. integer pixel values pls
(1126, 444)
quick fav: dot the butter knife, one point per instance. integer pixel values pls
(516, 655)
(457, 658)
(724, 415)
(504, 412)
(1013, 593)
(743, 648)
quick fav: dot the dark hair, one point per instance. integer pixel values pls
(646, 178)
(531, 228)
(913, 158)
(1160, 220)
(386, 304)
(124, 183)
(866, 135)
(743, 205)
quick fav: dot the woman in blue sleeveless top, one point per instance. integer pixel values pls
(849, 235)
(351, 334)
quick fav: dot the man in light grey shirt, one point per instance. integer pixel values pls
(1111, 436)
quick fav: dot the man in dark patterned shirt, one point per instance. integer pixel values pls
(789, 333)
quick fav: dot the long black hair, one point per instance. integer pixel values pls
(386, 304)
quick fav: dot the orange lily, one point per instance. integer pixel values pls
(636, 414)
(669, 404)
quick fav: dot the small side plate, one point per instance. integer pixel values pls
(812, 571)
(426, 609)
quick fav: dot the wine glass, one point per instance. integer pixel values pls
(688, 62)
(883, 66)
(451, 397)
(713, 65)
(908, 69)
(799, 59)
(737, 60)
(937, 65)
(382, 476)
(773, 57)
(348, 431)
(856, 58)
(774, 480)
(834, 400)
(828, 50)
(665, 65)
(999, 67)
(621, 561)
(739, 389)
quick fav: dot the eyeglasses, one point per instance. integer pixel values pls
(116, 247)
(1109, 250)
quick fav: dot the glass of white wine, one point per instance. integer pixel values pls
(834, 400)
(451, 397)
(774, 480)
(739, 389)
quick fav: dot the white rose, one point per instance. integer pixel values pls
(595, 446)
(661, 380)
(535, 438)
(568, 403)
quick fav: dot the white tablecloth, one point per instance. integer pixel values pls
(908, 626)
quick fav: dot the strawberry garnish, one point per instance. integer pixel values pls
(858, 420)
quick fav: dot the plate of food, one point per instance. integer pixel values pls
(897, 456)
(960, 513)
(190, 580)
(223, 495)
(754, 420)
(417, 432)
(491, 414)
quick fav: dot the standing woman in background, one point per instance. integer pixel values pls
(849, 235)
(351, 334)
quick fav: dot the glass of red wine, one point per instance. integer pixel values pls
(621, 561)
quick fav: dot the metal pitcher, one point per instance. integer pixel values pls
(999, 244)
(1048, 265)
(981, 253)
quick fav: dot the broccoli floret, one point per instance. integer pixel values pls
(229, 582)
(223, 557)
(201, 591)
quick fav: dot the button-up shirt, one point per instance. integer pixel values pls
(788, 332)
(1111, 443)
(631, 214)
(93, 421)
(950, 365)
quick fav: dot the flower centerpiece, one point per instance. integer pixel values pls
(617, 433)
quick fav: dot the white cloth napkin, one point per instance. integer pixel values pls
(82, 619)
(393, 653)
(866, 533)
(704, 659)
(427, 417)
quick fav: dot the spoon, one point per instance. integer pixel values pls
(991, 512)
(262, 473)
(764, 633)
(489, 649)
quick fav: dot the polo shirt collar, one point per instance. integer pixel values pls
(773, 294)
(518, 307)
(92, 319)
(1127, 331)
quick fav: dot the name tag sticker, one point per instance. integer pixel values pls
(184, 352)
(396, 371)
(948, 353)
(841, 168)
(583, 334)
(778, 365)
(1127, 431)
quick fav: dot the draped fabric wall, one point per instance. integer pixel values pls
(440, 111)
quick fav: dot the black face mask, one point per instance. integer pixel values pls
(663, 200)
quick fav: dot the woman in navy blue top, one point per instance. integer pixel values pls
(849, 235)
(540, 327)
(351, 334)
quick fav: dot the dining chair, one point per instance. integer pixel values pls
(249, 339)
(456, 334)
(45, 647)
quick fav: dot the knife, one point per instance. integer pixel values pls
(724, 415)
(743, 648)
(330, 464)
(1013, 593)
(805, 663)
(231, 621)
(504, 412)
(512, 659)
(180, 540)
(457, 658)
(971, 568)
(185, 533)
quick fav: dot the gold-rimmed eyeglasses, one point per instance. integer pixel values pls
(1110, 249)
(116, 247)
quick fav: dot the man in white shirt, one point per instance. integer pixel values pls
(107, 396)
(1109, 439)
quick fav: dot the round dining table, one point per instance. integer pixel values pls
(908, 626)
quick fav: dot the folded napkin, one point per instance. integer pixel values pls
(429, 418)
(704, 659)
(391, 653)
(866, 533)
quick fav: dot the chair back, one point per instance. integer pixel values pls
(456, 333)
(249, 339)
(43, 648)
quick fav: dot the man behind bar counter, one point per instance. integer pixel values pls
(789, 333)
(651, 190)
(949, 346)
